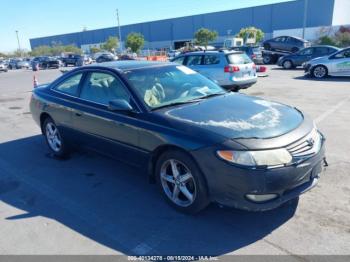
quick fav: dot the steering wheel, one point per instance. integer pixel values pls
(159, 91)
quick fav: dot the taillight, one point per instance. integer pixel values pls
(231, 69)
(254, 66)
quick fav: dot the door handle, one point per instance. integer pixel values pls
(78, 113)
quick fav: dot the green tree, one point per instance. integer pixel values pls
(111, 44)
(41, 50)
(135, 41)
(249, 32)
(326, 40)
(342, 39)
(94, 50)
(55, 50)
(72, 49)
(203, 36)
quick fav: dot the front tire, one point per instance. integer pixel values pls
(181, 182)
(54, 139)
(319, 72)
(267, 59)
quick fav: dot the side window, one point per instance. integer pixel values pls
(307, 51)
(180, 60)
(321, 51)
(70, 85)
(343, 54)
(281, 39)
(102, 88)
(194, 60)
(211, 60)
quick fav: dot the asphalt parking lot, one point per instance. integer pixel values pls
(89, 204)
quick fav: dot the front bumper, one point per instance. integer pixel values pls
(239, 84)
(229, 184)
(307, 68)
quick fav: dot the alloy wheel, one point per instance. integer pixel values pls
(287, 64)
(178, 183)
(320, 72)
(53, 137)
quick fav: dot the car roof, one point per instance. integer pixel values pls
(132, 64)
(226, 52)
(329, 46)
(295, 37)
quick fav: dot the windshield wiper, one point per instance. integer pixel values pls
(175, 104)
(187, 102)
(211, 95)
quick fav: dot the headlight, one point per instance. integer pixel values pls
(273, 157)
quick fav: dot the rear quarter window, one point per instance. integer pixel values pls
(211, 60)
(238, 59)
(70, 85)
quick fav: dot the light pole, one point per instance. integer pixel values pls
(19, 46)
(306, 4)
(120, 33)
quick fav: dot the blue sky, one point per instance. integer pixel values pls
(35, 18)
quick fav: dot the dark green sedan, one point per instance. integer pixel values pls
(200, 143)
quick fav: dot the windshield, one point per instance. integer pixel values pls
(170, 85)
(238, 59)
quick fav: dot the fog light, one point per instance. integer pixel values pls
(261, 198)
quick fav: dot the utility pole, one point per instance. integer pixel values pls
(120, 33)
(19, 46)
(306, 4)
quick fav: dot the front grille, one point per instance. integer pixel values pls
(307, 146)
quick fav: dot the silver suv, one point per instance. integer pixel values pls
(232, 70)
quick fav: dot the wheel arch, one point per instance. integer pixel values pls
(158, 152)
(43, 117)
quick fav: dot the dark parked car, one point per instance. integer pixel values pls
(18, 64)
(286, 43)
(304, 55)
(45, 62)
(74, 60)
(200, 143)
(254, 52)
(105, 58)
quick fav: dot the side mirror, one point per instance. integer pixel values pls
(120, 105)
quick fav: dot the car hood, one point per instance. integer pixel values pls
(238, 116)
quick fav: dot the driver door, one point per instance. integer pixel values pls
(110, 132)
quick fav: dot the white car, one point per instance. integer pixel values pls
(3, 67)
(337, 64)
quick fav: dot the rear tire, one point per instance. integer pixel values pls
(54, 139)
(181, 182)
(267, 59)
(288, 64)
(267, 46)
